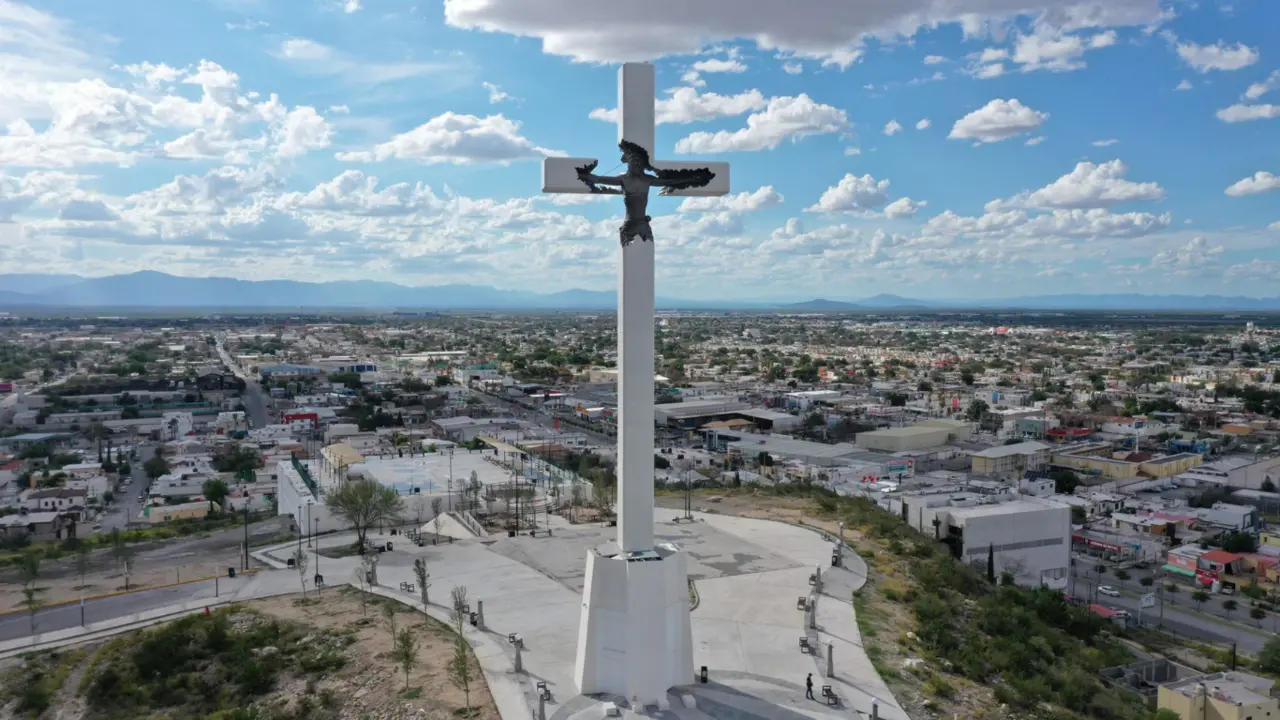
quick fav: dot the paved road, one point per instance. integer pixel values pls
(255, 404)
(61, 617)
(1180, 618)
(127, 505)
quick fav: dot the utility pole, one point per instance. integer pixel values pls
(246, 535)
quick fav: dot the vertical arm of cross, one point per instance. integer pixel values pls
(635, 335)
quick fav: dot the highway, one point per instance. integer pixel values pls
(18, 625)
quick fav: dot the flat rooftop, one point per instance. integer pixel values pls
(432, 472)
(1233, 687)
(1004, 508)
(1021, 448)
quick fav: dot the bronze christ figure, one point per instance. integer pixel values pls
(634, 185)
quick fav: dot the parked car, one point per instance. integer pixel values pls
(1108, 590)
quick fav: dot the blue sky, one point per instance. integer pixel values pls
(1081, 146)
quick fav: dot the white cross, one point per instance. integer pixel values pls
(635, 310)
(636, 121)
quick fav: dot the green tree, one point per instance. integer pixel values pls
(1147, 581)
(155, 466)
(215, 491)
(1258, 614)
(1199, 596)
(29, 569)
(1269, 657)
(405, 653)
(363, 503)
(1239, 542)
(1166, 714)
(300, 559)
(1230, 605)
(991, 564)
(976, 410)
(966, 377)
(119, 548)
(423, 577)
(460, 673)
(82, 561)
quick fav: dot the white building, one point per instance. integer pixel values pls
(1030, 537)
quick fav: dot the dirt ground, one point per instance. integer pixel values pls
(371, 683)
(368, 687)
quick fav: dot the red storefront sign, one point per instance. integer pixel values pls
(1096, 543)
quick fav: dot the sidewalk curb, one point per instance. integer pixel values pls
(93, 635)
(100, 596)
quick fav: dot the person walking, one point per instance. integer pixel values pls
(808, 688)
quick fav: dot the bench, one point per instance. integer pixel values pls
(802, 603)
(611, 710)
(804, 645)
(813, 579)
(407, 587)
(830, 695)
(515, 639)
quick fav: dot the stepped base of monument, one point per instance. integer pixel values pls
(634, 637)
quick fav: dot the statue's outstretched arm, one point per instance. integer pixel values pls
(592, 180)
(683, 179)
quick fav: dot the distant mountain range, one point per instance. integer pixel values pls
(159, 290)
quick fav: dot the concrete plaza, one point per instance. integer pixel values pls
(748, 575)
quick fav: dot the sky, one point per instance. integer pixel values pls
(926, 148)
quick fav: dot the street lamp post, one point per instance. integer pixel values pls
(317, 548)
(309, 523)
(297, 521)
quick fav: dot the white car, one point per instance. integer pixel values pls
(1108, 590)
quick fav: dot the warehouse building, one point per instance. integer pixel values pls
(1028, 537)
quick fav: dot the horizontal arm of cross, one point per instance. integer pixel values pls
(560, 175)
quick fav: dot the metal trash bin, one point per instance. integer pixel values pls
(231, 572)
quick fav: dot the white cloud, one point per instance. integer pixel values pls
(686, 105)
(314, 58)
(1049, 49)
(864, 196)
(1035, 140)
(1246, 113)
(496, 94)
(459, 140)
(1087, 186)
(784, 118)
(1258, 89)
(986, 72)
(853, 194)
(339, 109)
(154, 75)
(903, 207)
(351, 6)
(923, 124)
(248, 25)
(302, 131)
(934, 59)
(720, 65)
(851, 151)
(998, 120)
(743, 202)
(1219, 56)
(792, 68)
(1260, 182)
(831, 32)
(692, 79)
(893, 127)
(1184, 85)
(1075, 223)
(1104, 143)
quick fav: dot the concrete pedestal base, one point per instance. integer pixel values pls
(634, 639)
